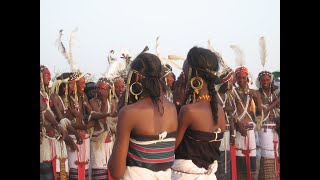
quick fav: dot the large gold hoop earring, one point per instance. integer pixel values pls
(136, 94)
(200, 81)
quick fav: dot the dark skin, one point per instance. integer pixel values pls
(48, 116)
(229, 108)
(170, 80)
(146, 121)
(265, 81)
(119, 87)
(242, 80)
(77, 113)
(189, 115)
(59, 115)
(102, 112)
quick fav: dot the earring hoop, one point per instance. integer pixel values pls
(133, 93)
(200, 82)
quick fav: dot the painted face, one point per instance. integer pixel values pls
(72, 85)
(46, 76)
(119, 87)
(242, 79)
(170, 79)
(103, 89)
(265, 81)
(81, 84)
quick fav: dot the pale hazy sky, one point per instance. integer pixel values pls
(181, 24)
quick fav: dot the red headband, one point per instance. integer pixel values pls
(228, 76)
(242, 69)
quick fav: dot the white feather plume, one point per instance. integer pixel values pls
(65, 52)
(115, 69)
(74, 67)
(210, 46)
(157, 47)
(61, 47)
(240, 58)
(263, 51)
(166, 60)
(175, 57)
(111, 57)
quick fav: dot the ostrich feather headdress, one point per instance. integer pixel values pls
(67, 53)
(263, 59)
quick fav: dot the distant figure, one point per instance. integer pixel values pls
(90, 90)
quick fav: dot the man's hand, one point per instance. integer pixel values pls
(242, 129)
(70, 143)
(79, 138)
(62, 132)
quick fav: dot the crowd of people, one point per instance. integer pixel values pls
(139, 121)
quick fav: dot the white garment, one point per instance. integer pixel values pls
(183, 169)
(61, 151)
(72, 156)
(240, 143)
(100, 156)
(139, 173)
(266, 142)
(225, 142)
(45, 150)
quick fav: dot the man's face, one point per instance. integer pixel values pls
(265, 81)
(103, 89)
(92, 92)
(81, 84)
(242, 79)
(46, 77)
(72, 85)
(170, 79)
(119, 87)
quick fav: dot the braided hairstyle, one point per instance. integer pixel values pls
(149, 68)
(205, 63)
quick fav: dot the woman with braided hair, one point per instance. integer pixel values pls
(146, 129)
(201, 120)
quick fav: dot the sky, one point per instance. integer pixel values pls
(105, 25)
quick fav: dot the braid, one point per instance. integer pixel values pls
(212, 92)
(150, 66)
(205, 64)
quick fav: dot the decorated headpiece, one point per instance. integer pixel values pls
(105, 80)
(242, 69)
(76, 76)
(240, 60)
(111, 57)
(42, 89)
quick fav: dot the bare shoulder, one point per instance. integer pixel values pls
(127, 110)
(169, 105)
(187, 109)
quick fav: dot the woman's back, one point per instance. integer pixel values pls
(147, 119)
(145, 139)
